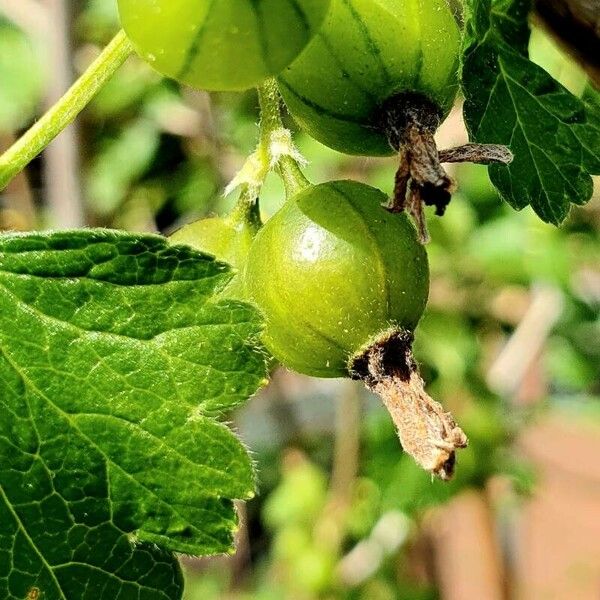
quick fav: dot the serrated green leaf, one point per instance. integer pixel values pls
(554, 136)
(591, 96)
(114, 362)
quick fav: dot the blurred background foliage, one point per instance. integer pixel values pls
(511, 335)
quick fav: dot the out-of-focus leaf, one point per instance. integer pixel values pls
(21, 78)
(120, 162)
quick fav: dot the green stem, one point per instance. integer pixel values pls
(64, 112)
(288, 169)
(292, 176)
(245, 213)
(262, 161)
(270, 111)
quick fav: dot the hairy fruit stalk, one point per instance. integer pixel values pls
(426, 431)
(410, 121)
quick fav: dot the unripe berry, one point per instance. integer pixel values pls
(221, 44)
(368, 54)
(333, 271)
(227, 239)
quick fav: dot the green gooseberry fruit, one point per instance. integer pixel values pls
(228, 239)
(373, 62)
(221, 45)
(333, 271)
(342, 283)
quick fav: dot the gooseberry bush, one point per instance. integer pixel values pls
(122, 354)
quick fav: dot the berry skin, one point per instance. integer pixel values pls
(333, 271)
(221, 45)
(227, 240)
(368, 53)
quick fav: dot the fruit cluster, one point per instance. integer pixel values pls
(339, 272)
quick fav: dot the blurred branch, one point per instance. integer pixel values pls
(30, 15)
(467, 556)
(331, 527)
(512, 365)
(281, 410)
(389, 534)
(347, 443)
(19, 211)
(61, 159)
(575, 24)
